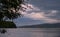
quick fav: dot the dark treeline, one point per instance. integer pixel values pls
(47, 25)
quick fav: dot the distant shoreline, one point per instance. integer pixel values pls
(55, 25)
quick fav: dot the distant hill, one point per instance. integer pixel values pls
(46, 25)
(7, 24)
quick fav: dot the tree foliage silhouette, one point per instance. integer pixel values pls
(9, 9)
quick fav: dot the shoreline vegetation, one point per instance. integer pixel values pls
(7, 24)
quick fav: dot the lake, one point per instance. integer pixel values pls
(32, 32)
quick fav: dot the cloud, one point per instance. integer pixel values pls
(51, 13)
(34, 15)
(30, 7)
(41, 16)
(40, 11)
(38, 14)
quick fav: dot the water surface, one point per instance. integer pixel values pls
(32, 32)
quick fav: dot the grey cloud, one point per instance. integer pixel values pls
(47, 4)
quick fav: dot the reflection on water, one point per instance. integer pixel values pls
(32, 32)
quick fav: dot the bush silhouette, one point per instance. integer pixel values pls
(7, 24)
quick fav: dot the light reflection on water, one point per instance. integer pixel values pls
(32, 32)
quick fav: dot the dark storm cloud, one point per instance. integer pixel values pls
(47, 4)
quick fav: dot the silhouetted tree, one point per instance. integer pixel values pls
(9, 9)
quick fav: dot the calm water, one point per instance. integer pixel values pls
(32, 32)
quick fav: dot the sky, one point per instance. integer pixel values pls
(39, 12)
